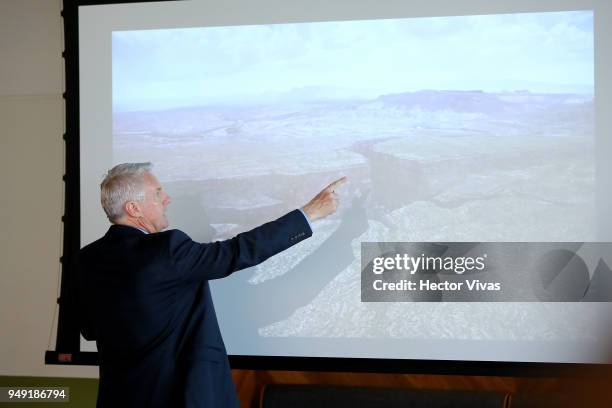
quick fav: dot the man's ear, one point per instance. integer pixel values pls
(132, 209)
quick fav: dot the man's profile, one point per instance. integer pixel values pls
(142, 294)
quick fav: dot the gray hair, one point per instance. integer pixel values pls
(122, 183)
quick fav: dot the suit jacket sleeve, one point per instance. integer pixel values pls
(77, 306)
(195, 261)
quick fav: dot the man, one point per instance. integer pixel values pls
(142, 293)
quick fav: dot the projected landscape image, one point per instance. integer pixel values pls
(476, 128)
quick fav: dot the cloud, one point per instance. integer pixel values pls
(394, 55)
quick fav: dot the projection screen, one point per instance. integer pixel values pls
(479, 122)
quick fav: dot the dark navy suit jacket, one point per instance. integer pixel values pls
(145, 299)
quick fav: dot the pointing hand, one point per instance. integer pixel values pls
(324, 203)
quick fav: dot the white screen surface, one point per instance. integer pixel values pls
(474, 125)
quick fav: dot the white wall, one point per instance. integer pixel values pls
(31, 193)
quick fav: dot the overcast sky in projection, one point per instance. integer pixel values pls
(540, 52)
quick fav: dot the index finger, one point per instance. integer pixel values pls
(336, 184)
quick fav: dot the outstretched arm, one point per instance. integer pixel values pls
(196, 261)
